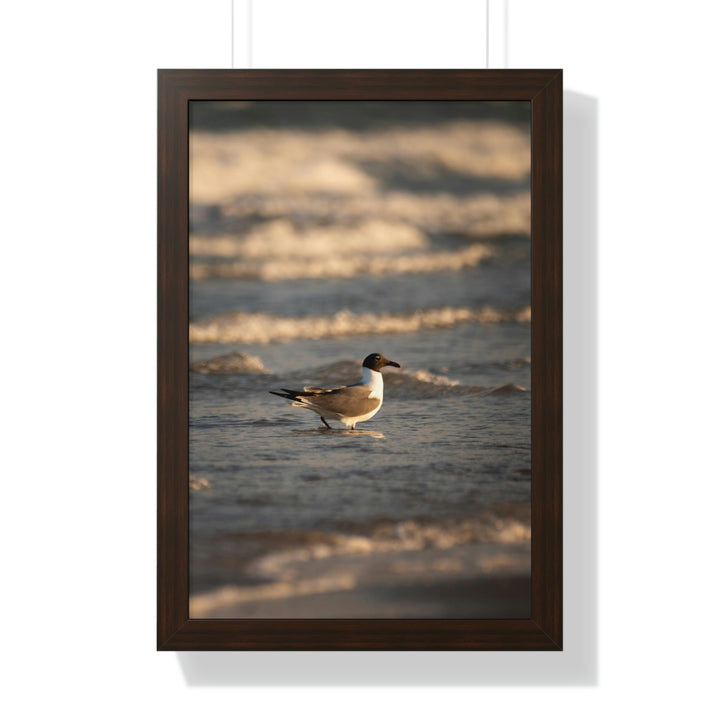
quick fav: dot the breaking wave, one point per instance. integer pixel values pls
(341, 163)
(342, 266)
(403, 536)
(509, 389)
(282, 239)
(263, 328)
(279, 250)
(481, 215)
(237, 363)
(422, 385)
(198, 482)
(495, 544)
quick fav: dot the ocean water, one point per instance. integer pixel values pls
(322, 232)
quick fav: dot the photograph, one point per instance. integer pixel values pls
(359, 359)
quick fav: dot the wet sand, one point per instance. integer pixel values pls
(480, 597)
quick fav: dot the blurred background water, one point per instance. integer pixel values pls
(322, 232)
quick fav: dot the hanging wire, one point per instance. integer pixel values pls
(487, 34)
(249, 37)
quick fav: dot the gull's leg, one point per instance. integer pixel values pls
(325, 423)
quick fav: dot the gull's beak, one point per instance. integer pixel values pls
(393, 363)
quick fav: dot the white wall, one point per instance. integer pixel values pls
(77, 127)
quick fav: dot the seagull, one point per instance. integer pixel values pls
(350, 404)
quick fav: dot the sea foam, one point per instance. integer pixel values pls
(237, 363)
(341, 265)
(282, 238)
(262, 328)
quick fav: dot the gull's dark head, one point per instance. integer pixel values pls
(376, 361)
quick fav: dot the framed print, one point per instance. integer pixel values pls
(359, 360)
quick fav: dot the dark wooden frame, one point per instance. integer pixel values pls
(543, 630)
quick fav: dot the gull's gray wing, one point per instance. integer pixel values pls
(351, 401)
